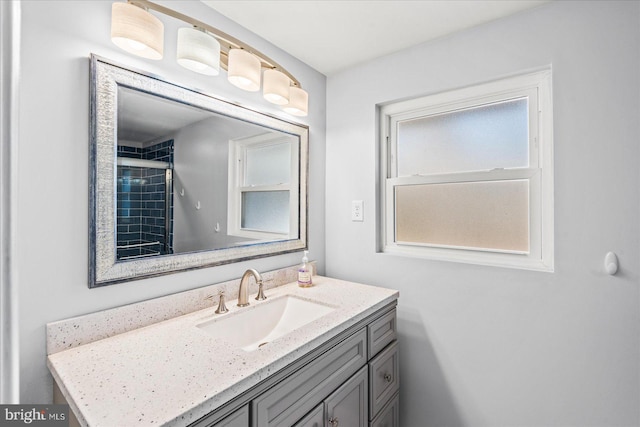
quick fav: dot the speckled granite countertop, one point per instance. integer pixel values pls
(173, 373)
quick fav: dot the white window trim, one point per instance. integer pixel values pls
(539, 173)
(237, 162)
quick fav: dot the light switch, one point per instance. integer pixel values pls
(357, 213)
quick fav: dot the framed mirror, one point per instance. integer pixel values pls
(182, 180)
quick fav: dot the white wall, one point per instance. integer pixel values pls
(57, 38)
(491, 346)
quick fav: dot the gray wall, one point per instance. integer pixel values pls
(201, 168)
(482, 346)
(57, 38)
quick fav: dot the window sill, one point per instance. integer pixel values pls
(491, 259)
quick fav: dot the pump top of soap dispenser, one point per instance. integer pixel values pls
(305, 257)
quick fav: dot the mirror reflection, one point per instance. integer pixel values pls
(183, 180)
(190, 179)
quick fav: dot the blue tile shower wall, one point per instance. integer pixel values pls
(141, 203)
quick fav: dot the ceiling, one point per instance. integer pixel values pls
(143, 117)
(332, 35)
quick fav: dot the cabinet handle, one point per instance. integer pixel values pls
(388, 377)
(333, 422)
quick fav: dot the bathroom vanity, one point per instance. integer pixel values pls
(329, 358)
(350, 380)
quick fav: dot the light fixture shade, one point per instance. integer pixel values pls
(275, 88)
(244, 70)
(137, 31)
(198, 51)
(298, 102)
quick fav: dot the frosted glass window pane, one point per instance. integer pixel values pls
(480, 138)
(268, 165)
(485, 215)
(266, 211)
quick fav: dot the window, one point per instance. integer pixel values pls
(263, 187)
(468, 174)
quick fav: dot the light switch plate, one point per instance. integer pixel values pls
(357, 210)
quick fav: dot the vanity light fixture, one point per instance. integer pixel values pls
(205, 49)
(198, 51)
(137, 31)
(244, 70)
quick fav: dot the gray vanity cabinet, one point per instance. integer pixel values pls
(349, 381)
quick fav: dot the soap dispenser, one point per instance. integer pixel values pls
(304, 272)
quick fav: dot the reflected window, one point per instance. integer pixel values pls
(265, 211)
(263, 196)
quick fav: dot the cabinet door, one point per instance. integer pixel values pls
(239, 418)
(347, 406)
(315, 418)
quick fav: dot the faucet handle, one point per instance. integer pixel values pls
(222, 308)
(261, 296)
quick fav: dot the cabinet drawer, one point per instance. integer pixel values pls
(292, 398)
(381, 331)
(315, 418)
(389, 416)
(383, 378)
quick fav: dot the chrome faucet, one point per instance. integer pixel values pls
(243, 292)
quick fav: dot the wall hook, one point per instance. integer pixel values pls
(611, 263)
(198, 204)
(182, 192)
(217, 227)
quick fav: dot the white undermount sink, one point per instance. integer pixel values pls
(257, 325)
